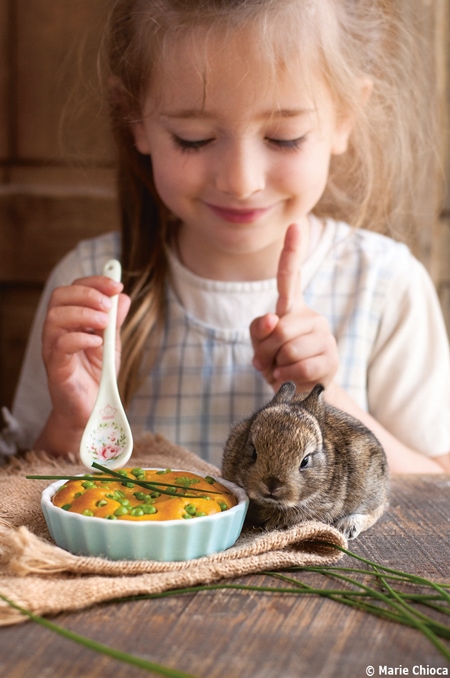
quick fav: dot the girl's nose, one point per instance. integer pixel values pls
(240, 171)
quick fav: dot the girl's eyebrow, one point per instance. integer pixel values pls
(193, 113)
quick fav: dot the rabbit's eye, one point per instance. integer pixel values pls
(305, 462)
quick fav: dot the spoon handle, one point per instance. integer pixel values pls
(113, 270)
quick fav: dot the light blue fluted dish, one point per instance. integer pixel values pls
(165, 540)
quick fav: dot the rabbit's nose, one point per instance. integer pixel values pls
(273, 485)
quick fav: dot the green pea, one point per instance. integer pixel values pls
(128, 484)
(186, 516)
(223, 506)
(155, 495)
(88, 484)
(171, 490)
(111, 517)
(138, 472)
(199, 514)
(149, 499)
(149, 510)
(209, 480)
(78, 494)
(121, 511)
(140, 496)
(66, 507)
(124, 502)
(167, 470)
(122, 472)
(117, 496)
(137, 511)
(184, 480)
(88, 512)
(190, 508)
(101, 502)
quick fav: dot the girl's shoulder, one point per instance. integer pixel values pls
(93, 253)
(365, 243)
(86, 258)
(347, 258)
(361, 250)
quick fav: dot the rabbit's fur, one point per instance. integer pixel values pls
(301, 459)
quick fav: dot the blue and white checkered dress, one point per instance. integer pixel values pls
(377, 298)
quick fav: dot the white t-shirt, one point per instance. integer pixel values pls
(378, 299)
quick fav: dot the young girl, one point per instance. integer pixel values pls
(247, 132)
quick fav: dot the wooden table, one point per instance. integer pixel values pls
(235, 634)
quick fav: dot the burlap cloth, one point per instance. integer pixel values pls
(45, 579)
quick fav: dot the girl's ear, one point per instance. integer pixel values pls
(120, 101)
(140, 137)
(345, 124)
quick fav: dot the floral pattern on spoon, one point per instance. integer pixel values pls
(107, 437)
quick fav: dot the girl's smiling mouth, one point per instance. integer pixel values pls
(238, 216)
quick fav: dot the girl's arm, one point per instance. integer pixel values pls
(295, 343)
(401, 459)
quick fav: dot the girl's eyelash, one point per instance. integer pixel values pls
(186, 145)
(287, 144)
(283, 144)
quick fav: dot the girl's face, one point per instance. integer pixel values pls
(235, 159)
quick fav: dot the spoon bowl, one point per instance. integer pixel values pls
(107, 438)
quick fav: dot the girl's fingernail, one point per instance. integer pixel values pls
(256, 364)
(105, 302)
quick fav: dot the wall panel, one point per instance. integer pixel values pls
(56, 162)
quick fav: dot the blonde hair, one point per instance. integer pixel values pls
(351, 41)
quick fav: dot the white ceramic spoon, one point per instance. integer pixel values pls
(107, 437)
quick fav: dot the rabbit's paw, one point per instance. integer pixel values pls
(352, 525)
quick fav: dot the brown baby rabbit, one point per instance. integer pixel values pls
(301, 459)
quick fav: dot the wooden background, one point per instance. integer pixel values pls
(56, 166)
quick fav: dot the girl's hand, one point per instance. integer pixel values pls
(72, 345)
(294, 343)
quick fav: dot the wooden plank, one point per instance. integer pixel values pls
(445, 111)
(444, 272)
(429, 21)
(56, 81)
(444, 295)
(17, 308)
(5, 75)
(48, 177)
(37, 226)
(444, 277)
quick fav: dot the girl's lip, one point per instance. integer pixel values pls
(238, 216)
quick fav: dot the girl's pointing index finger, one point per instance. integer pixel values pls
(288, 275)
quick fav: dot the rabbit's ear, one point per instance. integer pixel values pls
(285, 394)
(314, 402)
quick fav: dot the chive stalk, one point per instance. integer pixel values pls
(99, 647)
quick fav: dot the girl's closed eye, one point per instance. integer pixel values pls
(195, 145)
(287, 144)
(190, 145)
